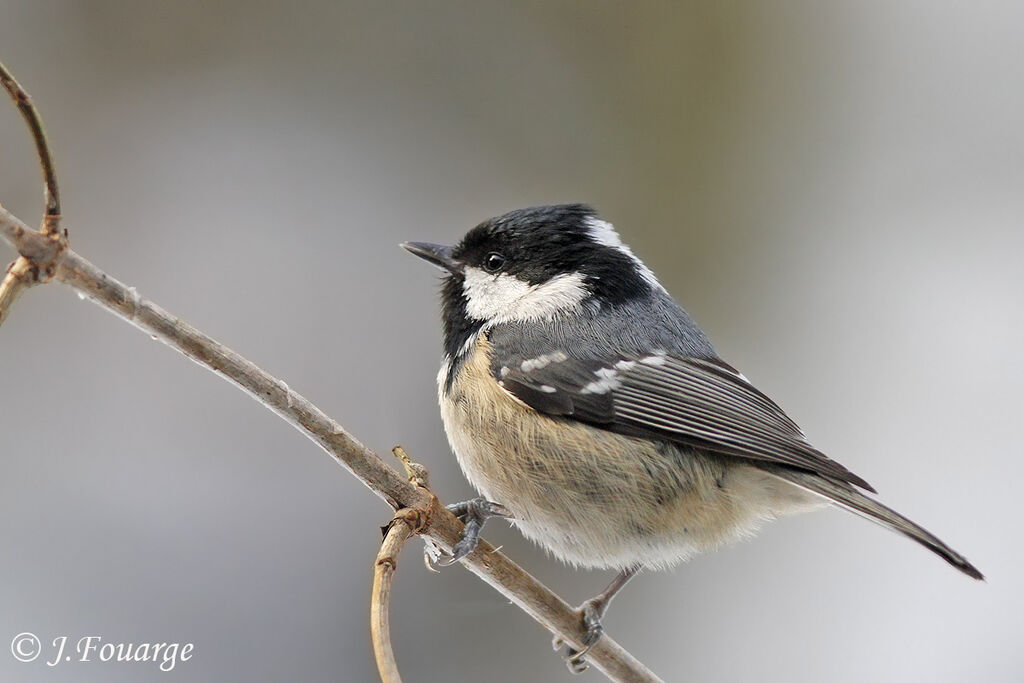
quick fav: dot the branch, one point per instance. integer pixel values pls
(48, 256)
(21, 274)
(28, 110)
(407, 522)
(443, 527)
(17, 279)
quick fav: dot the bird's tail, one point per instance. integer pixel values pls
(843, 494)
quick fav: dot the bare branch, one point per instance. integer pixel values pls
(36, 264)
(51, 221)
(45, 255)
(443, 527)
(406, 523)
(42, 250)
(18, 278)
(23, 273)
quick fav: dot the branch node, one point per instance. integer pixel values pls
(37, 264)
(416, 472)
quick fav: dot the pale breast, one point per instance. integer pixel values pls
(592, 497)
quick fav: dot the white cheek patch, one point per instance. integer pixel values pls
(603, 232)
(505, 298)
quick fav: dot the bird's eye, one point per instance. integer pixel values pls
(494, 262)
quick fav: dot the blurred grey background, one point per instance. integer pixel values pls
(834, 191)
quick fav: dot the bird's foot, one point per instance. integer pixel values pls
(591, 612)
(474, 514)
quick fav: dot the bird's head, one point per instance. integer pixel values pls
(534, 264)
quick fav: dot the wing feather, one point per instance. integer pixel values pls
(686, 400)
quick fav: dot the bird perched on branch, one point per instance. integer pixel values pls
(585, 404)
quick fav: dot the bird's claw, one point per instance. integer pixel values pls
(474, 514)
(478, 506)
(591, 612)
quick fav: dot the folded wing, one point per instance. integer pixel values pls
(685, 400)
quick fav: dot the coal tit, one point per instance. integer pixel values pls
(579, 396)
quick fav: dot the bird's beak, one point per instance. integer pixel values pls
(438, 254)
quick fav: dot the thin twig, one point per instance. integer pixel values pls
(17, 279)
(51, 221)
(496, 569)
(50, 256)
(406, 523)
(21, 274)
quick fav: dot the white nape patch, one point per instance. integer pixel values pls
(655, 359)
(604, 233)
(539, 362)
(505, 298)
(607, 380)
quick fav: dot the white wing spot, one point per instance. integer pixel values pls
(607, 380)
(547, 389)
(657, 358)
(539, 362)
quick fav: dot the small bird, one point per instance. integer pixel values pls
(583, 403)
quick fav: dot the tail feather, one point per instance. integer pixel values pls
(848, 497)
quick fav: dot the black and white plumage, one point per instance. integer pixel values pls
(579, 395)
(691, 401)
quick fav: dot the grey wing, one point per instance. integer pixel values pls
(685, 400)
